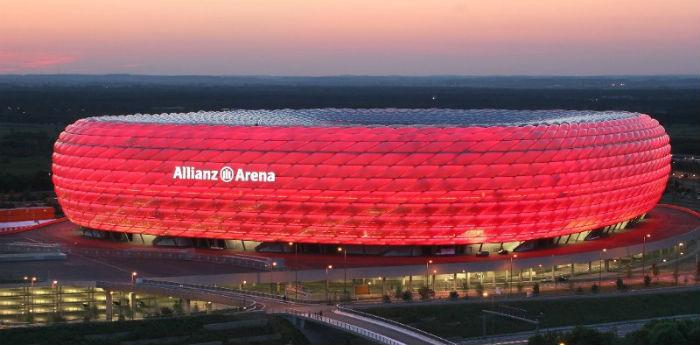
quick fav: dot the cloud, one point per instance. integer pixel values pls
(22, 62)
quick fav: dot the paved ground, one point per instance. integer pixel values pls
(666, 225)
(82, 267)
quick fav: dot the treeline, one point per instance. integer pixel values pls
(661, 332)
(62, 105)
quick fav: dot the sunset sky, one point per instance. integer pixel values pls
(328, 37)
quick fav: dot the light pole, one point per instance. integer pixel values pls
(274, 287)
(133, 278)
(510, 285)
(328, 268)
(678, 259)
(33, 281)
(427, 272)
(644, 252)
(296, 271)
(345, 270)
(600, 269)
(56, 299)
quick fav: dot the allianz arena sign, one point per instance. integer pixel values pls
(225, 174)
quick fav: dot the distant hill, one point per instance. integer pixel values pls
(517, 82)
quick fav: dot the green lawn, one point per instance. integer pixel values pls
(463, 320)
(188, 327)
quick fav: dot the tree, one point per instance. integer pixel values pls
(426, 293)
(620, 284)
(398, 292)
(666, 333)
(454, 295)
(655, 271)
(479, 289)
(536, 289)
(406, 295)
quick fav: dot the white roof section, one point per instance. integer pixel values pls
(340, 117)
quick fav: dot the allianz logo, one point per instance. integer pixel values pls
(225, 174)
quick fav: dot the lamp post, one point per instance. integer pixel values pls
(678, 259)
(133, 277)
(345, 270)
(600, 269)
(33, 281)
(56, 299)
(644, 252)
(328, 268)
(427, 272)
(296, 271)
(510, 284)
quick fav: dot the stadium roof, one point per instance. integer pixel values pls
(333, 117)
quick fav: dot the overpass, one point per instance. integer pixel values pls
(374, 328)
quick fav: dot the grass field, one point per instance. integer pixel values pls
(188, 330)
(463, 320)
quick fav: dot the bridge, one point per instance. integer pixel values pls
(368, 326)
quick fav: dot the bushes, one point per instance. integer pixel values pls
(426, 293)
(536, 289)
(386, 299)
(595, 288)
(454, 295)
(661, 332)
(479, 289)
(407, 295)
(621, 284)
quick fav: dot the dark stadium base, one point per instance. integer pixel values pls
(479, 250)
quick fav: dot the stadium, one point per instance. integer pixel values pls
(470, 180)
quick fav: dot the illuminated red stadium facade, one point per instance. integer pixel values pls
(372, 176)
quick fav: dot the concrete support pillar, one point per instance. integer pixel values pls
(606, 262)
(532, 274)
(482, 276)
(469, 280)
(590, 266)
(410, 283)
(187, 306)
(132, 303)
(554, 280)
(571, 278)
(454, 282)
(108, 305)
(383, 286)
(494, 279)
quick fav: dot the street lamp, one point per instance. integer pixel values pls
(345, 269)
(33, 281)
(510, 285)
(427, 272)
(133, 277)
(644, 245)
(328, 268)
(296, 271)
